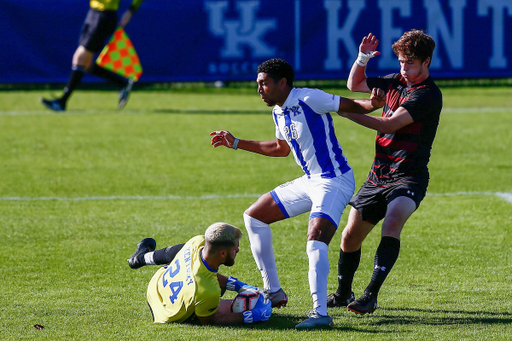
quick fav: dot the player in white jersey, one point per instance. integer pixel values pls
(303, 126)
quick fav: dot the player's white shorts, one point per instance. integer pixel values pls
(324, 198)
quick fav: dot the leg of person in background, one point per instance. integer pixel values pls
(82, 62)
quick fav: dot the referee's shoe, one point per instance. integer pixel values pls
(55, 105)
(124, 93)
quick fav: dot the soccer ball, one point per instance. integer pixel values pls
(246, 300)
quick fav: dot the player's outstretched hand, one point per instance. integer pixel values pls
(369, 45)
(222, 138)
(261, 311)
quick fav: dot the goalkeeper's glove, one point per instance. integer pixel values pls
(261, 311)
(234, 284)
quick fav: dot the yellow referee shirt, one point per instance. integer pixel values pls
(185, 287)
(112, 5)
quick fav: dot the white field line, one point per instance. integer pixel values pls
(447, 110)
(505, 195)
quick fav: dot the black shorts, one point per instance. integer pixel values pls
(372, 201)
(98, 27)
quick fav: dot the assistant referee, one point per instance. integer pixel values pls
(100, 23)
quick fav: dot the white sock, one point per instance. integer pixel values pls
(318, 274)
(148, 258)
(260, 236)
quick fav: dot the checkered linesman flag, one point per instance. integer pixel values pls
(119, 56)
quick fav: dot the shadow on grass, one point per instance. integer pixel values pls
(390, 316)
(284, 322)
(433, 317)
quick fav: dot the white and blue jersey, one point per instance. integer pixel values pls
(305, 123)
(328, 183)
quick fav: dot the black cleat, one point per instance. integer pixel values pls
(137, 259)
(365, 304)
(55, 105)
(124, 93)
(336, 300)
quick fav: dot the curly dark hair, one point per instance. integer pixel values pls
(415, 44)
(277, 69)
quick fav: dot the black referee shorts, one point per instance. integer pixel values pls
(97, 28)
(372, 201)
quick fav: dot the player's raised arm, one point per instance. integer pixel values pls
(357, 79)
(362, 106)
(275, 148)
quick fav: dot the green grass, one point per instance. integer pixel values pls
(79, 190)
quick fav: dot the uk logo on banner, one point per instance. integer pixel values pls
(244, 33)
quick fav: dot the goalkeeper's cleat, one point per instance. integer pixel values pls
(55, 105)
(315, 320)
(365, 304)
(337, 300)
(137, 259)
(124, 93)
(279, 298)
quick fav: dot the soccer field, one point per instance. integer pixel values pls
(80, 189)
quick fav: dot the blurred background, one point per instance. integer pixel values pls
(224, 40)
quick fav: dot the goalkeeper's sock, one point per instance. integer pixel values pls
(260, 236)
(165, 255)
(385, 258)
(77, 73)
(318, 274)
(112, 77)
(149, 258)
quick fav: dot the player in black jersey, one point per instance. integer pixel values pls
(398, 179)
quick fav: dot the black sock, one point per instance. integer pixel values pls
(385, 258)
(112, 77)
(347, 266)
(166, 255)
(77, 73)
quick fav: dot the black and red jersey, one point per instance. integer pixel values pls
(404, 154)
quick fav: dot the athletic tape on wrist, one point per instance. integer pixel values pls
(235, 144)
(363, 58)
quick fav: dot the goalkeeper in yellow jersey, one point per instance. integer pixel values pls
(189, 287)
(99, 25)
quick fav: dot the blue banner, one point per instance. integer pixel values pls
(209, 40)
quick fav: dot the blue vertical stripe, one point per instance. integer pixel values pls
(318, 133)
(294, 144)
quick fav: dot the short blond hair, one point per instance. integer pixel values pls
(222, 234)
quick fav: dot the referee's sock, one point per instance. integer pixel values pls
(112, 77)
(385, 258)
(77, 73)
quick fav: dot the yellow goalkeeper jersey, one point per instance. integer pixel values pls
(112, 5)
(185, 287)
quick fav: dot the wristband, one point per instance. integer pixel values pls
(235, 144)
(233, 284)
(248, 317)
(363, 58)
